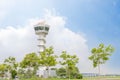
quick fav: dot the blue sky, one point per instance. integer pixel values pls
(97, 20)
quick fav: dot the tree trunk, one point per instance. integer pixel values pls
(69, 74)
(48, 71)
(99, 70)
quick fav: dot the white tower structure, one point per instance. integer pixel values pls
(41, 29)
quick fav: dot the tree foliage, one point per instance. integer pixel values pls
(11, 65)
(31, 60)
(61, 72)
(101, 54)
(48, 59)
(3, 69)
(69, 61)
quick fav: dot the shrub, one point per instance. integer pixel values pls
(79, 76)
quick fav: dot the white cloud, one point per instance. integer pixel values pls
(18, 41)
(21, 40)
(63, 38)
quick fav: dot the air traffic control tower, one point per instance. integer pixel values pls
(41, 29)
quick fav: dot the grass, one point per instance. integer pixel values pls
(88, 78)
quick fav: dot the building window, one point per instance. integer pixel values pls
(39, 28)
(46, 28)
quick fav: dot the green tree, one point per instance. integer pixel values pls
(100, 55)
(11, 66)
(21, 73)
(74, 73)
(48, 59)
(61, 72)
(3, 69)
(69, 61)
(13, 73)
(31, 60)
